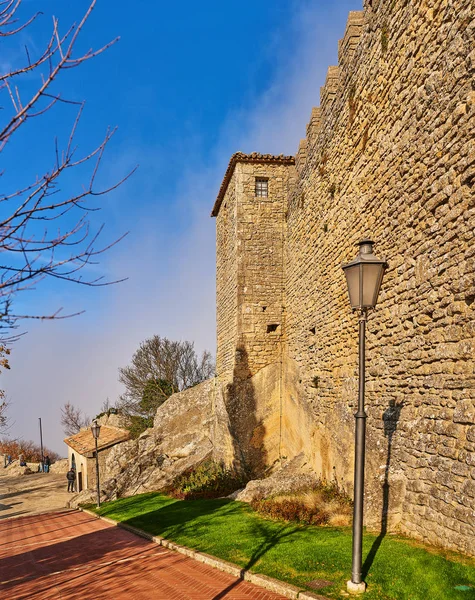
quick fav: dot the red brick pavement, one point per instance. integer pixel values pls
(69, 555)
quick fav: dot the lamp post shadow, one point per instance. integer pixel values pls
(390, 419)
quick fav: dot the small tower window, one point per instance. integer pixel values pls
(262, 186)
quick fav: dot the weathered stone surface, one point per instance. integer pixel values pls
(85, 497)
(14, 469)
(465, 412)
(113, 420)
(251, 405)
(294, 475)
(180, 438)
(60, 466)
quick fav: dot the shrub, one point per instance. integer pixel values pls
(207, 480)
(138, 424)
(325, 504)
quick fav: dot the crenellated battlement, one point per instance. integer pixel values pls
(333, 85)
(328, 91)
(348, 43)
(313, 125)
(301, 157)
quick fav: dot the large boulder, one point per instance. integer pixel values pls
(189, 428)
(292, 476)
(85, 497)
(116, 420)
(60, 467)
(180, 438)
(15, 470)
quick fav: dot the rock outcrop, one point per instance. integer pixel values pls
(116, 420)
(292, 476)
(85, 497)
(60, 467)
(14, 469)
(180, 438)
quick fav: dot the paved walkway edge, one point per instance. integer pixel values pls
(273, 585)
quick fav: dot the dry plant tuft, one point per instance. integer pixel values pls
(325, 504)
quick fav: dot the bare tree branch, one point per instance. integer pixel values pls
(73, 419)
(3, 415)
(4, 364)
(29, 254)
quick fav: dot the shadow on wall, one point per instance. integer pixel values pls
(391, 418)
(247, 432)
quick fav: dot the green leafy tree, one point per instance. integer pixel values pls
(155, 392)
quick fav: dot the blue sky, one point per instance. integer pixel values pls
(187, 85)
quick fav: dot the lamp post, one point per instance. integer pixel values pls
(364, 275)
(41, 445)
(96, 430)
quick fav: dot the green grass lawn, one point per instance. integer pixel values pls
(395, 568)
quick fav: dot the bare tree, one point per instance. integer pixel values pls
(32, 249)
(4, 353)
(106, 406)
(73, 419)
(3, 415)
(159, 368)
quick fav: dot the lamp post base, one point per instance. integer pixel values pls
(356, 588)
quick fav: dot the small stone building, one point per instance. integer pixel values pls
(81, 453)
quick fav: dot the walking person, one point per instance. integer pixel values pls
(71, 477)
(47, 464)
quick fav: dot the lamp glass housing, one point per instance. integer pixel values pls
(96, 429)
(364, 275)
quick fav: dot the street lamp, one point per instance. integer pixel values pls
(96, 430)
(364, 275)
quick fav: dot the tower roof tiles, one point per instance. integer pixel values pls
(254, 157)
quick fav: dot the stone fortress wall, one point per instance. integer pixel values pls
(389, 154)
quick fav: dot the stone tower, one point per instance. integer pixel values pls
(250, 213)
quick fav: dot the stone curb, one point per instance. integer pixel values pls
(273, 585)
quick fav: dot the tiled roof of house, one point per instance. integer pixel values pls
(254, 157)
(83, 442)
